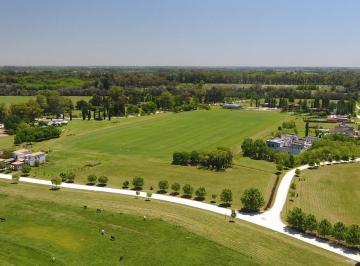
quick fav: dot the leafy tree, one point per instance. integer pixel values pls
(352, 236)
(148, 108)
(339, 231)
(296, 218)
(126, 184)
(63, 176)
(194, 158)
(56, 182)
(310, 223)
(279, 168)
(188, 190)
(166, 101)
(181, 158)
(25, 169)
(226, 196)
(103, 180)
(92, 179)
(324, 228)
(200, 193)
(252, 200)
(163, 185)
(148, 195)
(297, 172)
(138, 182)
(70, 177)
(132, 110)
(175, 187)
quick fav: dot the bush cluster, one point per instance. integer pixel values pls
(29, 134)
(219, 159)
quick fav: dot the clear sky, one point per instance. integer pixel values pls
(180, 32)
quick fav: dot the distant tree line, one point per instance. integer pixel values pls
(219, 159)
(103, 78)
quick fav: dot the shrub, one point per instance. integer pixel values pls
(181, 158)
(188, 190)
(163, 185)
(138, 182)
(92, 179)
(296, 218)
(56, 182)
(175, 187)
(200, 193)
(226, 196)
(103, 180)
(25, 169)
(126, 184)
(29, 134)
(325, 228)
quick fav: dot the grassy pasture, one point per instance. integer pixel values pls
(36, 217)
(330, 192)
(143, 146)
(21, 99)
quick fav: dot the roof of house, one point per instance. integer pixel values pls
(38, 153)
(17, 163)
(21, 151)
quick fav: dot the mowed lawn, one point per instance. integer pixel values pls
(143, 146)
(331, 192)
(37, 231)
(41, 224)
(22, 99)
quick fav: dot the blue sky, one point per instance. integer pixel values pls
(180, 32)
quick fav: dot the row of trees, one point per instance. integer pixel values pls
(252, 199)
(308, 223)
(103, 78)
(219, 159)
(116, 102)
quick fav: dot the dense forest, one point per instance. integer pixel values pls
(87, 80)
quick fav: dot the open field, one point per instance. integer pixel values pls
(330, 192)
(21, 99)
(35, 232)
(234, 243)
(143, 146)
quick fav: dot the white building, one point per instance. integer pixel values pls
(290, 144)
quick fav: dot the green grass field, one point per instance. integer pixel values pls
(330, 192)
(21, 99)
(42, 224)
(143, 146)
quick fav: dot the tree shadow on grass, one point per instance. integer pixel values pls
(101, 185)
(345, 249)
(136, 188)
(224, 205)
(186, 196)
(90, 184)
(174, 193)
(54, 188)
(161, 191)
(199, 198)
